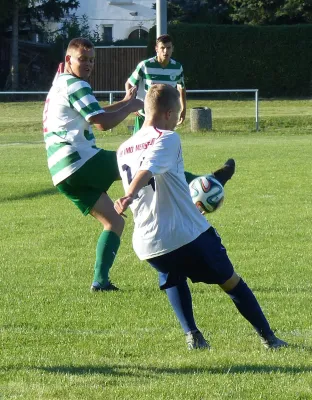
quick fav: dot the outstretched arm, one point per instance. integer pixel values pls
(109, 120)
(130, 94)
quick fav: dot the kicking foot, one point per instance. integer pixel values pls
(109, 287)
(226, 172)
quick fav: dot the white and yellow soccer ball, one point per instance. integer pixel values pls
(207, 193)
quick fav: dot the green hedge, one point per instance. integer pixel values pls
(277, 60)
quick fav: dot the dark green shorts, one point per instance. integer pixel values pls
(85, 186)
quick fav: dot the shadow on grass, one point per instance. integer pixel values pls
(132, 370)
(33, 195)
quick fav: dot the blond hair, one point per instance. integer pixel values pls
(161, 98)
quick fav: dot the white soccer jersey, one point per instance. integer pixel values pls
(165, 217)
(67, 132)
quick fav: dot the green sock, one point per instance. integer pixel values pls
(189, 176)
(106, 250)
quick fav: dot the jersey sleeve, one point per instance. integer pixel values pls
(163, 155)
(82, 99)
(136, 75)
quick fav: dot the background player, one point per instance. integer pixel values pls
(159, 69)
(163, 69)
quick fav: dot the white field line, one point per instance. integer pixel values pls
(21, 143)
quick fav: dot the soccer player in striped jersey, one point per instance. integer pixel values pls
(169, 231)
(159, 69)
(79, 169)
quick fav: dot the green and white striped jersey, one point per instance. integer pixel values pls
(150, 72)
(67, 132)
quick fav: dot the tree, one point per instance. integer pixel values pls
(29, 12)
(295, 12)
(253, 12)
(197, 11)
(74, 27)
(269, 12)
(14, 51)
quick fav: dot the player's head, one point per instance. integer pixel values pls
(162, 102)
(80, 57)
(164, 48)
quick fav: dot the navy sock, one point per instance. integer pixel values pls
(181, 302)
(247, 304)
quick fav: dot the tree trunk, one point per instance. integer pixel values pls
(14, 57)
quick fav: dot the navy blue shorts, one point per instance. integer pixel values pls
(203, 260)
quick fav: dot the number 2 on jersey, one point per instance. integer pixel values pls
(126, 168)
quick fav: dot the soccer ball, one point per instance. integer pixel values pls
(207, 193)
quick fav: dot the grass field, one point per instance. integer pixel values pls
(58, 341)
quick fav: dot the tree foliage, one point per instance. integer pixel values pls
(253, 12)
(270, 12)
(73, 27)
(27, 13)
(35, 10)
(197, 11)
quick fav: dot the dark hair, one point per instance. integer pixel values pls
(164, 39)
(79, 43)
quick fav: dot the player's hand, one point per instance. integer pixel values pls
(182, 117)
(122, 204)
(130, 93)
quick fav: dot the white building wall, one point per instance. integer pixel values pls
(124, 16)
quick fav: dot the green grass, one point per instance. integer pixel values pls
(60, 342)
(22, 121)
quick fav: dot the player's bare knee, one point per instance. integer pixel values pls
(120, 224)
(116, 225)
